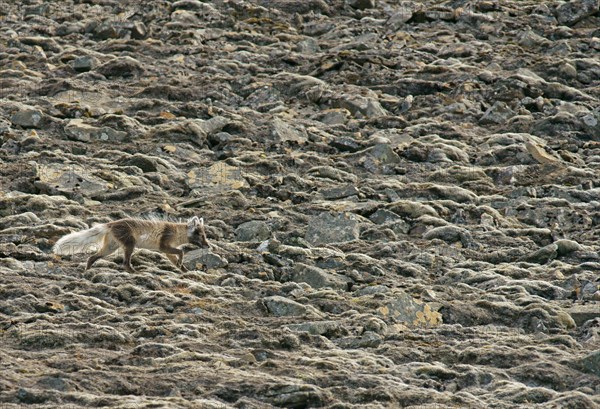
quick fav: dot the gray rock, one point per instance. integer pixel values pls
(583, 312)
(361, 106)
(254, 230)
(384, 154)
(81, 131)
(340, 192)
(327, 328)
(369, 339)
(28, 118)
(405, 308)
(139, 31)
(574, 11)
(332, 228)
(85, 63)
(121, 67)
(499, 113)
(362, 4)
(590, 363)
(283, 307)
(286, 132)
(310, 45)
(565, 247)
(383, 216)
(317, 278)
(449, 234)
(204, 257)
(543, 255)
(344, 144)
(373, 289)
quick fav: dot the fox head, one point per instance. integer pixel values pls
(195, 232)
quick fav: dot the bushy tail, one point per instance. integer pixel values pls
(81, 241)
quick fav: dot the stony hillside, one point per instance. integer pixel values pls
(403, 200)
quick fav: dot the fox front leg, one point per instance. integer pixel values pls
(175, 260)
(171, 252)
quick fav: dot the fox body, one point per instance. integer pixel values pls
(131, 233)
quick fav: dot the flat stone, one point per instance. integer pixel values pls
(254, 230)
(286, 132)
(332, 228)
(317, 327)
(384, 154)
(284, 307)
(590, 363)
(383, 216)
(28, 118)
(584, 312)
(79, 130)
(317, 277)
(85, 63)
(340, 192)
(574, 11)
(205, 258)
(405, 308)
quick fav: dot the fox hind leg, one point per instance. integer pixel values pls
(128, 251)
(108, 247)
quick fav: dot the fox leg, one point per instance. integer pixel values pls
(176, 262)
(107, 248)
(170, 252)
(128, 251)
(125, 238)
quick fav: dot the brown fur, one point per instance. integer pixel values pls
(152, 235)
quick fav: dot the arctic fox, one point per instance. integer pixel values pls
(131, 233)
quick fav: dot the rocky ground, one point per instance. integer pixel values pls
(403, 199)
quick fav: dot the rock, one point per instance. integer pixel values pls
(543, 255)
(85, 63)
(362, 4)
(384, 154)
(332, 228)
(404, 308)
(590, 363)
(499, 113)
(375, 289)
(156, 350)
(205, 258)
(139, 31)
(121, 67)
(285, 132)
(361, 106)
(383, 216)
(539, 154)
(368, 340)
(81, 131)
(584, 312)
(327, 328)
(317, 278)
(340, 192)
(344, 144)
(283, 307)
(574, 11)
(565, 247)
(28, 118)
(449, 234)
(334, 116)
(254, 231)
(399, 162)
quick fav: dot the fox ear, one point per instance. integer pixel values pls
(202, 222)
(194, 221)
